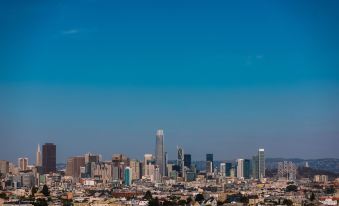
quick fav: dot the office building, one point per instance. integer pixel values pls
(288, 170)
(49, 157)
(73, 167)
(209, 163)
(136, 169)
(261, 163)
(180, 161)
(148, 158)
(255, 167)
(23, 163)
(240, 168)
(128, 176)
(187, 160)
(247, 169)
(228, 167)
(4, 167)
(223, 169)
(160, 152)
(38, 161)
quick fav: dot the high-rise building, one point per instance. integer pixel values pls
(187, 160)
(148, 158)
(255, 167)
(209, 163)
(180, 161)
(128, 176)
(228, 169)
(223, 169)
(49, 157)
(261, 165)
(240, 168)
(247, 168)
(92, 158)
(160, 152)
(73, 167)
(23, 163)
(38, 161)
(136, 169)
(287, 170)
(4, 167)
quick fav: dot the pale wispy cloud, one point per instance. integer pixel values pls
(70, 31)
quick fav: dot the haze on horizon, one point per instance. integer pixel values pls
(222, 77)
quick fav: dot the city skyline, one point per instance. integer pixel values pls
(221, 78)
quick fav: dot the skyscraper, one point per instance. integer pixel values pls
(147, 161)
(128, 176)
(261, 165)
(4, 167)
(49, 157)
(187, 160)
(180, 161)
(135, 168)
(22, 163)
(247, 168)
(255, 165)
(160, 152)
(228, 169)
(38, 157)
(73, 166)
(223, 169)
(240, 168)
(209, 163)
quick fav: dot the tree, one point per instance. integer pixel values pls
(153, 202)
(45, 191)
(291, 188)
(330, 190)
(287, 202)
(148, 195)
(40, 202)
(182, 202)
(199, 198)
(33, 191)
(189, 200)
(312, 197)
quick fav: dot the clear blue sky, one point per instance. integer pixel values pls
(218, 76)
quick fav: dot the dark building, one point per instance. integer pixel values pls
(247, 168)
(228, 169)
(49, 157)
(209, 163)
(187, 160)
(209, 157)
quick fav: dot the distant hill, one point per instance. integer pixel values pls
(325, 164)
(305, 172)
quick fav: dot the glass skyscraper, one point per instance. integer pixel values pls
(160, 151)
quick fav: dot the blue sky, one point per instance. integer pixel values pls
(220, 76)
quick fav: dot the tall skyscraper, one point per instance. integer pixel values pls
(223, 169)
(187, 160)
(128, 176)
(209, 163)
(49, 157)
(73, 167)
(240, 168)
(38, 161)
(228, 169)
(180, 161)
(247, 168)
(261, 165)
(255, 165)
(22, 163)
(160, 152)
